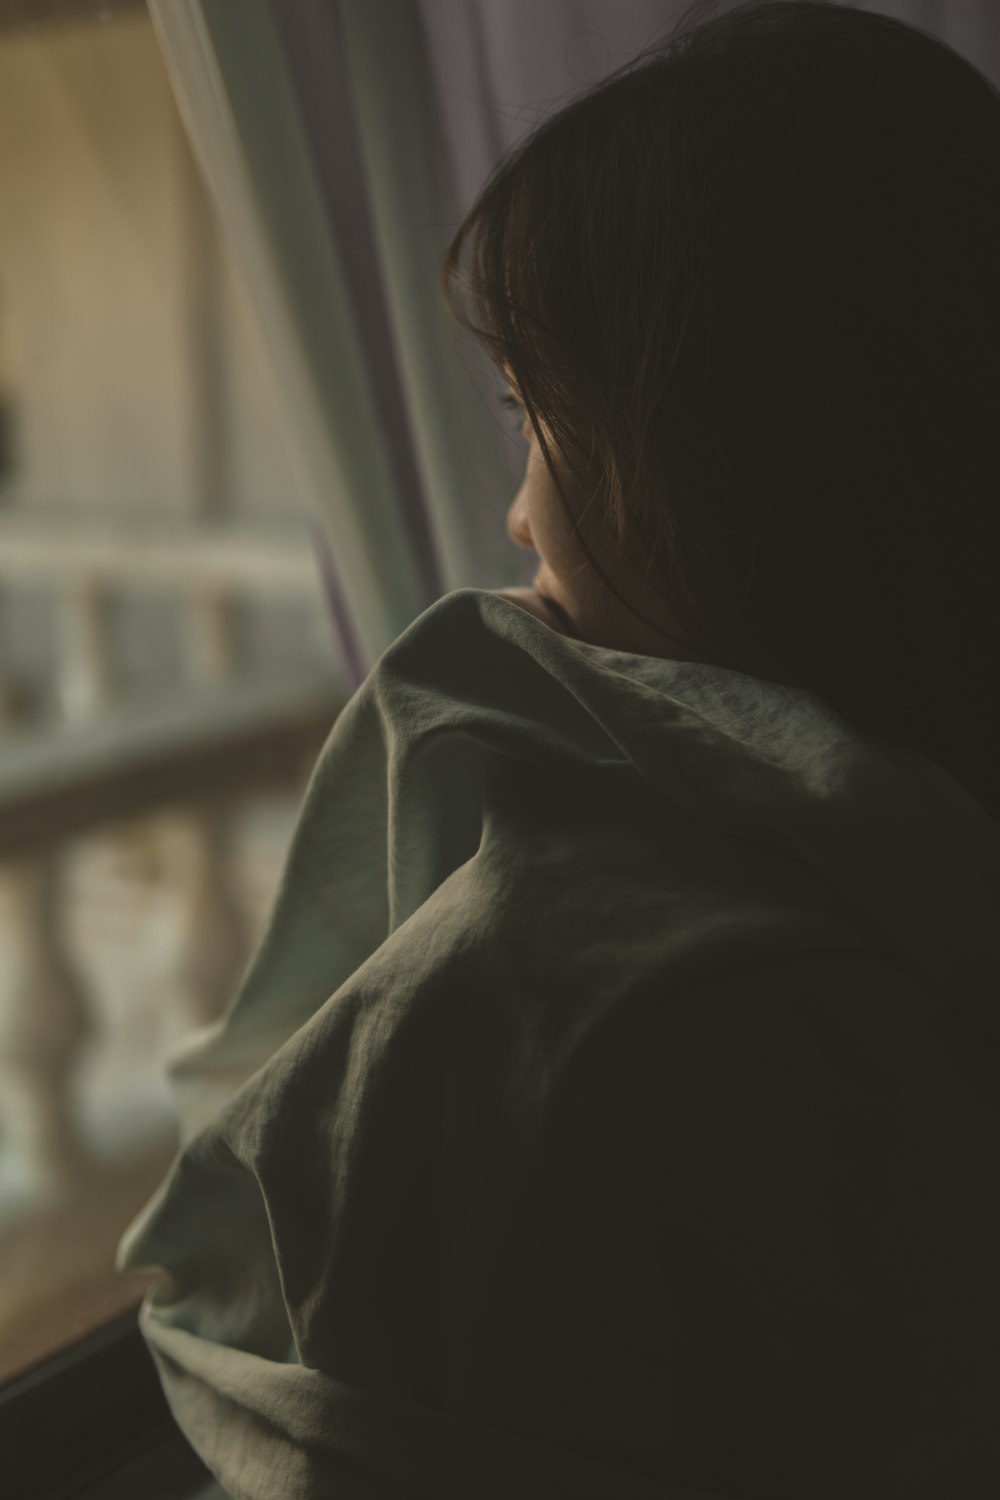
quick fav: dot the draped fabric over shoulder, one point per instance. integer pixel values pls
(609, 1110)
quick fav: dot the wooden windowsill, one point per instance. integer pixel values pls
(57, 1276)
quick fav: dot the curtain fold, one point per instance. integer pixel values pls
(337, 244)
(415, 211)
(342, 141)
(227, 69)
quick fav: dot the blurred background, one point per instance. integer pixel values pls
(241, 449)
(161, 612)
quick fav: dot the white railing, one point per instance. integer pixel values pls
(110, 763)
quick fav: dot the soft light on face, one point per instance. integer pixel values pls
(537, 519)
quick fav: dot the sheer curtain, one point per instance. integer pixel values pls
(342, 141)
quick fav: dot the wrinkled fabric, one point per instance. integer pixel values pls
(610, 1108)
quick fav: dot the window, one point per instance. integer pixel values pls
(167, 675)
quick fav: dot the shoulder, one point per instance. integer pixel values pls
(780, 1095)
(797, 1176)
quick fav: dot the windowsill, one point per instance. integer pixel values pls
(59, 1282)
(92, 1423)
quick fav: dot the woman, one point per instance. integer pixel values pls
(610, 1109)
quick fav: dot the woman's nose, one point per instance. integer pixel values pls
(517, 526)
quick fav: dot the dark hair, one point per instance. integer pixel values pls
(750, 284)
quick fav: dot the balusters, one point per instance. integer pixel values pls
(45, 1017)
(46, 1014)
(87, 682)
(44, 1025)
(213, 929)
(215, 941)
(209, 623)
